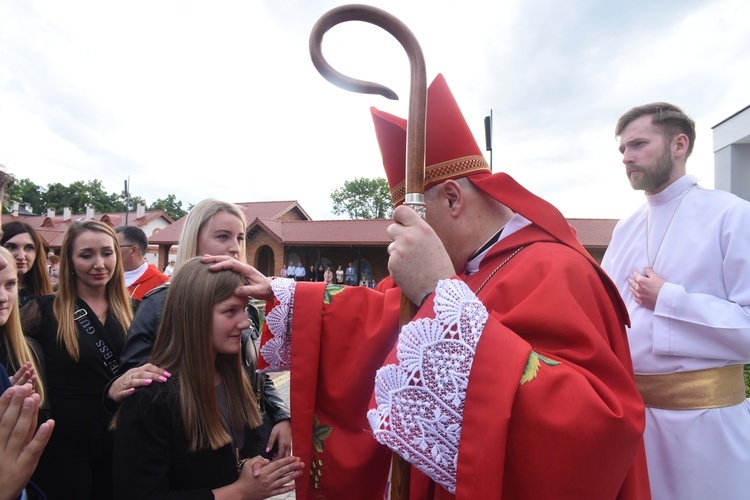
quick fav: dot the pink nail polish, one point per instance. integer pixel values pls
(167, 374)
(147, 381)
(162, 379)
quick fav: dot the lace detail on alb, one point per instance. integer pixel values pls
(421, 400)
(278, 351)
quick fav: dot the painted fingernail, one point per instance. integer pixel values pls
(147, 381)
(166, 374)
(162, 379)
(268, 449)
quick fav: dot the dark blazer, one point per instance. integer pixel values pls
(151, 458)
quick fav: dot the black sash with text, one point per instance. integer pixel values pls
(108, 357)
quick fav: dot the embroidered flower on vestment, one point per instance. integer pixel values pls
(421, 400)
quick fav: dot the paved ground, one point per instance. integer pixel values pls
(281, 380)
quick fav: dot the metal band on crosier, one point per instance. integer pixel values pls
(452, 169)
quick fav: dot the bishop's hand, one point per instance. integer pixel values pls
(418, 258)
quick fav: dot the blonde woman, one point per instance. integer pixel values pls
(81, 331)
(17, 354)
(190, 437)
(212, 227)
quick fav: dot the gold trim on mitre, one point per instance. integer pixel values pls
(452, 169)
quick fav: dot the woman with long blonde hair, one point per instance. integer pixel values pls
(195, 429)
(211, 227)
(18, 355)
(81, 331)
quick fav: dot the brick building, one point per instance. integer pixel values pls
(281, 231)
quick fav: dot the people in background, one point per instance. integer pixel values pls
(54, 271)
(140, 276)
(169, 270)
(29, 253)
(299, 273)
(339, 276)
(328, 275)
(351, 275)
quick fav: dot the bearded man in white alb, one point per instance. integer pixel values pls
(682, 265)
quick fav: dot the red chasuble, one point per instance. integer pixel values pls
(550, 409)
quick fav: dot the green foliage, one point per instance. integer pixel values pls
(170, 205)
(26, 191)
(79, 194)
(363, 198)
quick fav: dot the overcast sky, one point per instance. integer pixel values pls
(220, 99)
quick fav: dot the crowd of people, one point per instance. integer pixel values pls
(348, 276)
(71, 361)
(528, 371)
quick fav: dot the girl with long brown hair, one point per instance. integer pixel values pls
(193, 432)
(28, 251)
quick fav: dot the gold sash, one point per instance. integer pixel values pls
(694, 390)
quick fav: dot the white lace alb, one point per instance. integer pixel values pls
(421, 400)
(278, 351)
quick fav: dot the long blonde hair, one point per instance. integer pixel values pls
(183, 347)
(198, 218)
(19, 351)
(65, 300)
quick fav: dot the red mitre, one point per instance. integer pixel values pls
(451, 152)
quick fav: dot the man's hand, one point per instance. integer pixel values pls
(645, 287)
(418, 258)
(258, 286)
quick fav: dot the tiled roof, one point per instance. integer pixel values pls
(52, 229)
(330, 232)
(594, 233)
(270, 210)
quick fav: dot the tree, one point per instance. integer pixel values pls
(132, 203)
(79, 194)
(363, 198)
(170, 205)
(25, 191)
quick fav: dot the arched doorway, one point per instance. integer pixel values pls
(264, 260)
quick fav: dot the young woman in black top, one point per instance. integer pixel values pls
(189, 437)
(27, 248)
(81, 331)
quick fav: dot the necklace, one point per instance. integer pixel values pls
(497, 269)
(669, 223)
